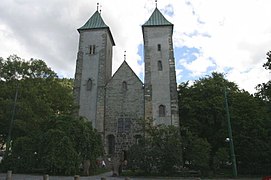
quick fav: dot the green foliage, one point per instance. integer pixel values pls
(249, 117)
(202, 109)
(221, 158)
(45, 134)
(24, 147)
(267, 65)
(264, 89)
(196, 152)
(263, 136)
(59, 155)
(202, 112)
(264, 92)
(55, 148)
(15, 67)
(159, 152)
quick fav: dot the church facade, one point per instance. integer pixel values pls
(115, 104)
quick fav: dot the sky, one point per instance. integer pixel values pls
(226, 36)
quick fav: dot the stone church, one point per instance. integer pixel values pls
(115, 104)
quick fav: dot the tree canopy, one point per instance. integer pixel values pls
(45, 135)
(202, 113)
(15, 67)
(159, 152)
(264, 89)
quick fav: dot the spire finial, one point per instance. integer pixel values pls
(125, 55)
(156, 3)
(97, 6)
(100, 9)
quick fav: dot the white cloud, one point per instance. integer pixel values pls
(10, 41)
(229, 34)
(179, 74)
(239, 36)
(246, 80)
(199, 67)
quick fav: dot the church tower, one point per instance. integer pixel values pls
(93, 69)
(161, 99)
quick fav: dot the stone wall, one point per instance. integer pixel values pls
(160, 84)
(124, 108)
(96, 67)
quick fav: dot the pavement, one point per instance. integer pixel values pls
(106, 176)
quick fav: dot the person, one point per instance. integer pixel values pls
(103, 164)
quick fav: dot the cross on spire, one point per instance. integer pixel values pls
(124, 55)
(99, 8)
(156, 3)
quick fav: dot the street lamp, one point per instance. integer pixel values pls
(12, 120)
(230, 139)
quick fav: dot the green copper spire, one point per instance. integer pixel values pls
(94, 22)
(157, 19)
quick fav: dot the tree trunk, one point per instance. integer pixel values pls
(86, 166)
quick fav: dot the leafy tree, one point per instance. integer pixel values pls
(267, 65)
(264, 89)
(55, 149)
(202, 109)
(221, 158)
(85, 143)
(23, 146)
(34, 82)
(37, 99)
(196, 152)
(202, 112)
(15, 67)
(264, 94)
(45, 134)
(159, 152)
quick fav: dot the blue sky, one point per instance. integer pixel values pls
(226, 36)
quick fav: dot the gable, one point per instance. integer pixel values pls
(125, 73)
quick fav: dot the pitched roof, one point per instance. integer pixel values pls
(157, 19)
(121, 67)
(94, 22)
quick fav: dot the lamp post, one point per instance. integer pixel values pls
(12, 119)
(233, 159)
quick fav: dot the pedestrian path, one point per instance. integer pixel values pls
(40, 177)
(106, 176)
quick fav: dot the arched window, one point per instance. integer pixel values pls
(160, 66)
(92, 49)
(124, 86)
(89, 84)
(124, 124)
(158, 47)
(127, 124)
(162, 111)
(120, 125)
(124, 154)
(111, 144)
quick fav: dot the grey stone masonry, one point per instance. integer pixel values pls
(160, 76)
(77, 81)
(93, 70)
(124, 108)
(115, 105)
(173, 85)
